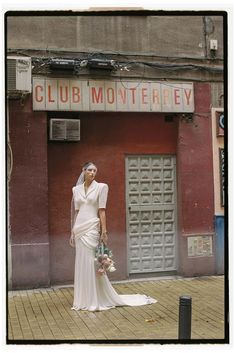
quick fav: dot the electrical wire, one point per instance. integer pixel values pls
(106, 53)
(41, 65)
(175, 67)
(43, 60)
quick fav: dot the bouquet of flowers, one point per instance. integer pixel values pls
(104, 259)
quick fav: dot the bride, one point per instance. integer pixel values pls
(93, 292)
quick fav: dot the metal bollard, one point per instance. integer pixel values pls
(185, 317)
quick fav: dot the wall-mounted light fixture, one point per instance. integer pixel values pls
(72, 66)
(62, 64)
(103, 64)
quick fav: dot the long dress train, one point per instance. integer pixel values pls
(93, 292)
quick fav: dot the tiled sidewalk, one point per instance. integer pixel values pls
(45, 314)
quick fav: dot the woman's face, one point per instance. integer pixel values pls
(90, 173)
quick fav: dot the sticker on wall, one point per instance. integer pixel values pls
(222, 188)
(200, 246)
(220, 123)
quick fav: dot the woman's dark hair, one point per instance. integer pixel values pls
(86, 165)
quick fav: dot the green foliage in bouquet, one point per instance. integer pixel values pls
(104, 260)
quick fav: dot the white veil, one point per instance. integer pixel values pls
(80, 181)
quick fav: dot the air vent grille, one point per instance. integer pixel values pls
(64, 129)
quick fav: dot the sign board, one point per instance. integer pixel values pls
(112, 96)
(200, 245)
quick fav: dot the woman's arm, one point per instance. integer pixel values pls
(72, 240)
(103, 230)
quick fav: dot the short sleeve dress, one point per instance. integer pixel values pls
(93, 292)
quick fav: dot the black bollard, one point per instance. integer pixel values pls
(185, 317)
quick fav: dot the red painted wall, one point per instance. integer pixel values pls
(105, 139)
(28, 196)
(195, 181)
(44, 173)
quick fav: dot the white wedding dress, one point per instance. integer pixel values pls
(91, 291)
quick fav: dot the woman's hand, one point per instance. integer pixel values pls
(72, 241)
(104, 237)
(103, 234)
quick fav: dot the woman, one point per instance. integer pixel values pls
(92, 292)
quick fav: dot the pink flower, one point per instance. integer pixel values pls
(105, 263)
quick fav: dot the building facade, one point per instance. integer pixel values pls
(137, 94)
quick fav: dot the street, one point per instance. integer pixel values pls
(45, 314)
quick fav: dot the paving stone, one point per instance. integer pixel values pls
(46, 313)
